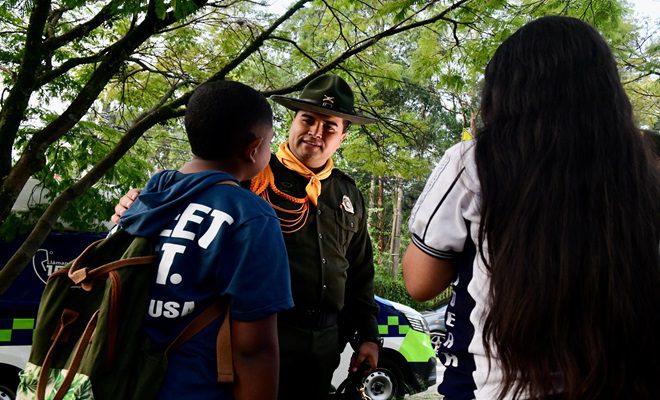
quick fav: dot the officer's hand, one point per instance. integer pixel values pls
(124, 203)
(368, 352)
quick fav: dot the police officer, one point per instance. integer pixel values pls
(323, 218)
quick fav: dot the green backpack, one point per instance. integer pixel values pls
(88, 342)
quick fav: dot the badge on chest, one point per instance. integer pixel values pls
(347, 205)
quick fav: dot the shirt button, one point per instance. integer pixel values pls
(320, 236)
(325, 286)
(323, 260)
(351, 224)
(318, 212)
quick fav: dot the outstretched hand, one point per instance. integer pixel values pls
(124, 203)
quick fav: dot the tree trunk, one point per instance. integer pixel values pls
(380, 222)
(12, 111)
(395, 248)
(372, 200)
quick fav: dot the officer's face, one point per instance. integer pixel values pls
(314, 138)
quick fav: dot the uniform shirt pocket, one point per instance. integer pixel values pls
(347, 226)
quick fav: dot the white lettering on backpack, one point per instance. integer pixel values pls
(170, 309)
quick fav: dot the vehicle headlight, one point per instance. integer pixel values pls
(417, 322)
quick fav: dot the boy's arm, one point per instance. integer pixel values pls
(256, 358)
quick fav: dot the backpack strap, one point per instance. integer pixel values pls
(68, 317)
(86, 277)
(224, 357)
(81, 275)
(224, 353)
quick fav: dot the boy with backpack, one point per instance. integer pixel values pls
(121, 322)
(216, 240)
(197, 319)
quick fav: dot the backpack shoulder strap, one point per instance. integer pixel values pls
(200, 322)
(224, 351)
(223, 343)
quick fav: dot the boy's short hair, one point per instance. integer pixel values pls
(220, 118)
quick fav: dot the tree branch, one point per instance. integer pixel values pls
(361, 46)
(295, 44)
(151, 69)
(258, 41)
(83, 29)
(17, 101)
(66, 66)
(339, 24)
(249, 50)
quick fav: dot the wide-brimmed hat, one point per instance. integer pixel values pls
(328, 94)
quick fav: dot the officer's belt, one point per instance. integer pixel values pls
(308, 318)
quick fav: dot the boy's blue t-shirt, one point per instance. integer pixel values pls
(215, 240)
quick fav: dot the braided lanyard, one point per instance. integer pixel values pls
(299, 215)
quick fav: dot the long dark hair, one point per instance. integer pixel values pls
(570, 216)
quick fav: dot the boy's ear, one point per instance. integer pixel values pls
(252, 148)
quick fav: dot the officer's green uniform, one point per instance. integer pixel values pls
(331, 271)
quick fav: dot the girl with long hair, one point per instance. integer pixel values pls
(547, 226)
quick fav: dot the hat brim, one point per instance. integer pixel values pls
(301, 104)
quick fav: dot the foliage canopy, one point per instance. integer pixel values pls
(92, 89)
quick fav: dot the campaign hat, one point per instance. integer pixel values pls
(329, 95)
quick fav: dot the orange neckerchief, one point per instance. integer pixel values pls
(265, 179)
(290, 161)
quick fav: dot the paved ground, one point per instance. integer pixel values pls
(430, 394)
